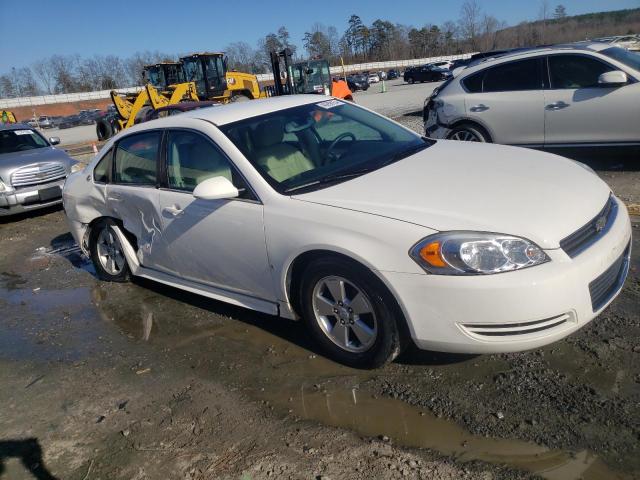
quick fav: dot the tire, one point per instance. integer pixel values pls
(469, 133)
(141, 116)
(104, 130)
(410, 80)
(101, 248)
(374, 346)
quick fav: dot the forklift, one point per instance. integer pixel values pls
(311, 76)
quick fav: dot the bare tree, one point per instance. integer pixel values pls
(470, 16)
(544, 15)
(45, 73)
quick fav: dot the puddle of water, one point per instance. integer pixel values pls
(47, 324)
(190, 330)
(406, 425)
(11, 281)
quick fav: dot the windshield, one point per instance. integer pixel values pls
(20, 140)
(156, 77)
(311, 146)
(630, 59)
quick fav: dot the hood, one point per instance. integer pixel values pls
(11, 161)
(482, 187)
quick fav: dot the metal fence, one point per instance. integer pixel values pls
(8, 103)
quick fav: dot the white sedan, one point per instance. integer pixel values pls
(316, 209)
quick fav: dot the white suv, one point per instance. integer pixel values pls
(569, 95)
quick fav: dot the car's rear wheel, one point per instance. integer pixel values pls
(410, 80)
(350, 313)
(106, 253)
(468, 133)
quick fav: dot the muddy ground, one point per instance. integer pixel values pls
(140, 381)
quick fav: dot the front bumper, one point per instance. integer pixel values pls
(513, 311)
(30, 198)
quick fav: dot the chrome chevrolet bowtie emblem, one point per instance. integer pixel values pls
(601, 223)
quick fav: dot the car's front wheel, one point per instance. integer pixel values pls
(106, 253)
(350, 313)
(410, 80)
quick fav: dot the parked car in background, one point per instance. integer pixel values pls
(373, 78)
(70, 121)
(629, 42)
(560, 96)
(358, 82)
(446, 64)
(392, 74)
(32, 170)
(32, 122)
(426, 73)
(45, 122)
(317, 209)
(382, 75)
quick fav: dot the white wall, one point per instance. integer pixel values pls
(9, 103)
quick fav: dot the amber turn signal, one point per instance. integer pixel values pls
(430, 253)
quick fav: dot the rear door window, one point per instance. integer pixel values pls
(575, 71)
(513, 76)
(136, 159)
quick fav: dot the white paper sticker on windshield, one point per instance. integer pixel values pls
(23, 132)
(329, 104)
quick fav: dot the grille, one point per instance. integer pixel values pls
(603, 288)
(511, 329)
(586, 236)
(37, 174)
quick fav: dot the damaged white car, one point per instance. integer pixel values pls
(374, 236)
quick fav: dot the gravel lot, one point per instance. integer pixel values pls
(141, 381)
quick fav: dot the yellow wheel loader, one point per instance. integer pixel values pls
(7, 117)
(213, 80)
(164, 85)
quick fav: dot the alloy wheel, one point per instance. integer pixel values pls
(465, 136)
(345, 314)
(110, 252)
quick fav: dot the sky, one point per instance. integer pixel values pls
(35, 29)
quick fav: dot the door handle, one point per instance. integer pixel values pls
(174, 211)
(479, 108)
(557, 105)
(116, 197)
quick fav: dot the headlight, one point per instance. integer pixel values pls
(76, 167)
(475, 253)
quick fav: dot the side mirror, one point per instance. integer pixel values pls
(215, 188)
(54, 140)
(611, 79)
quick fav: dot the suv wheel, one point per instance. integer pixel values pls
(350, 313)
(469, 133)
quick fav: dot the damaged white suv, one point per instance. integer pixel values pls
(323, 210)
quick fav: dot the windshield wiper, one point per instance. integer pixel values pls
(361, 171)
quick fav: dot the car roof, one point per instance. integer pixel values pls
(517, 52)
(233, 112)
(14, 126)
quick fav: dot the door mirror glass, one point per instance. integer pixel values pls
(54, 140)
(215, 188)
(616, 77)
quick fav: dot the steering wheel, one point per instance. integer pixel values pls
(330, 156)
